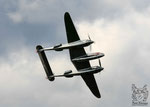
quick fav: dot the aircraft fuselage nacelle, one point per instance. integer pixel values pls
(92, 70)
(87, 57)
(77, 44)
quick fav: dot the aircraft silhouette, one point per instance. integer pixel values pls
(78, 57)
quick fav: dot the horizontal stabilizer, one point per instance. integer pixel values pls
(45, 63)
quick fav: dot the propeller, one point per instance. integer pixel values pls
(89, 37)
(99, 62)
(90, 48)
(90, 45)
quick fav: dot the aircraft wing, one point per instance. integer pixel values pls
(75, 52)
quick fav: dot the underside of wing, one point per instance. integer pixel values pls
(72, 34)
(91, 83)
(75, 52)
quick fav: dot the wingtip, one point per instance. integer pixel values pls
(97, 95)
(67, 14)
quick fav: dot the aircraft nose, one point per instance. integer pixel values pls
(92, 41)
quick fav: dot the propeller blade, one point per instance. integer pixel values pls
(90, 48)
(90, 45)
(89, 37)
(99, 62)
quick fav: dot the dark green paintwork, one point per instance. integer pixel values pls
(72, 36)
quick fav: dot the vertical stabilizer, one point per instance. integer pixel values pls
(45, 63)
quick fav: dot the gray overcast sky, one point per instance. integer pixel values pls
(121, 30)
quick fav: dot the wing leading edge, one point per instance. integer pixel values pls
(72, 36)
